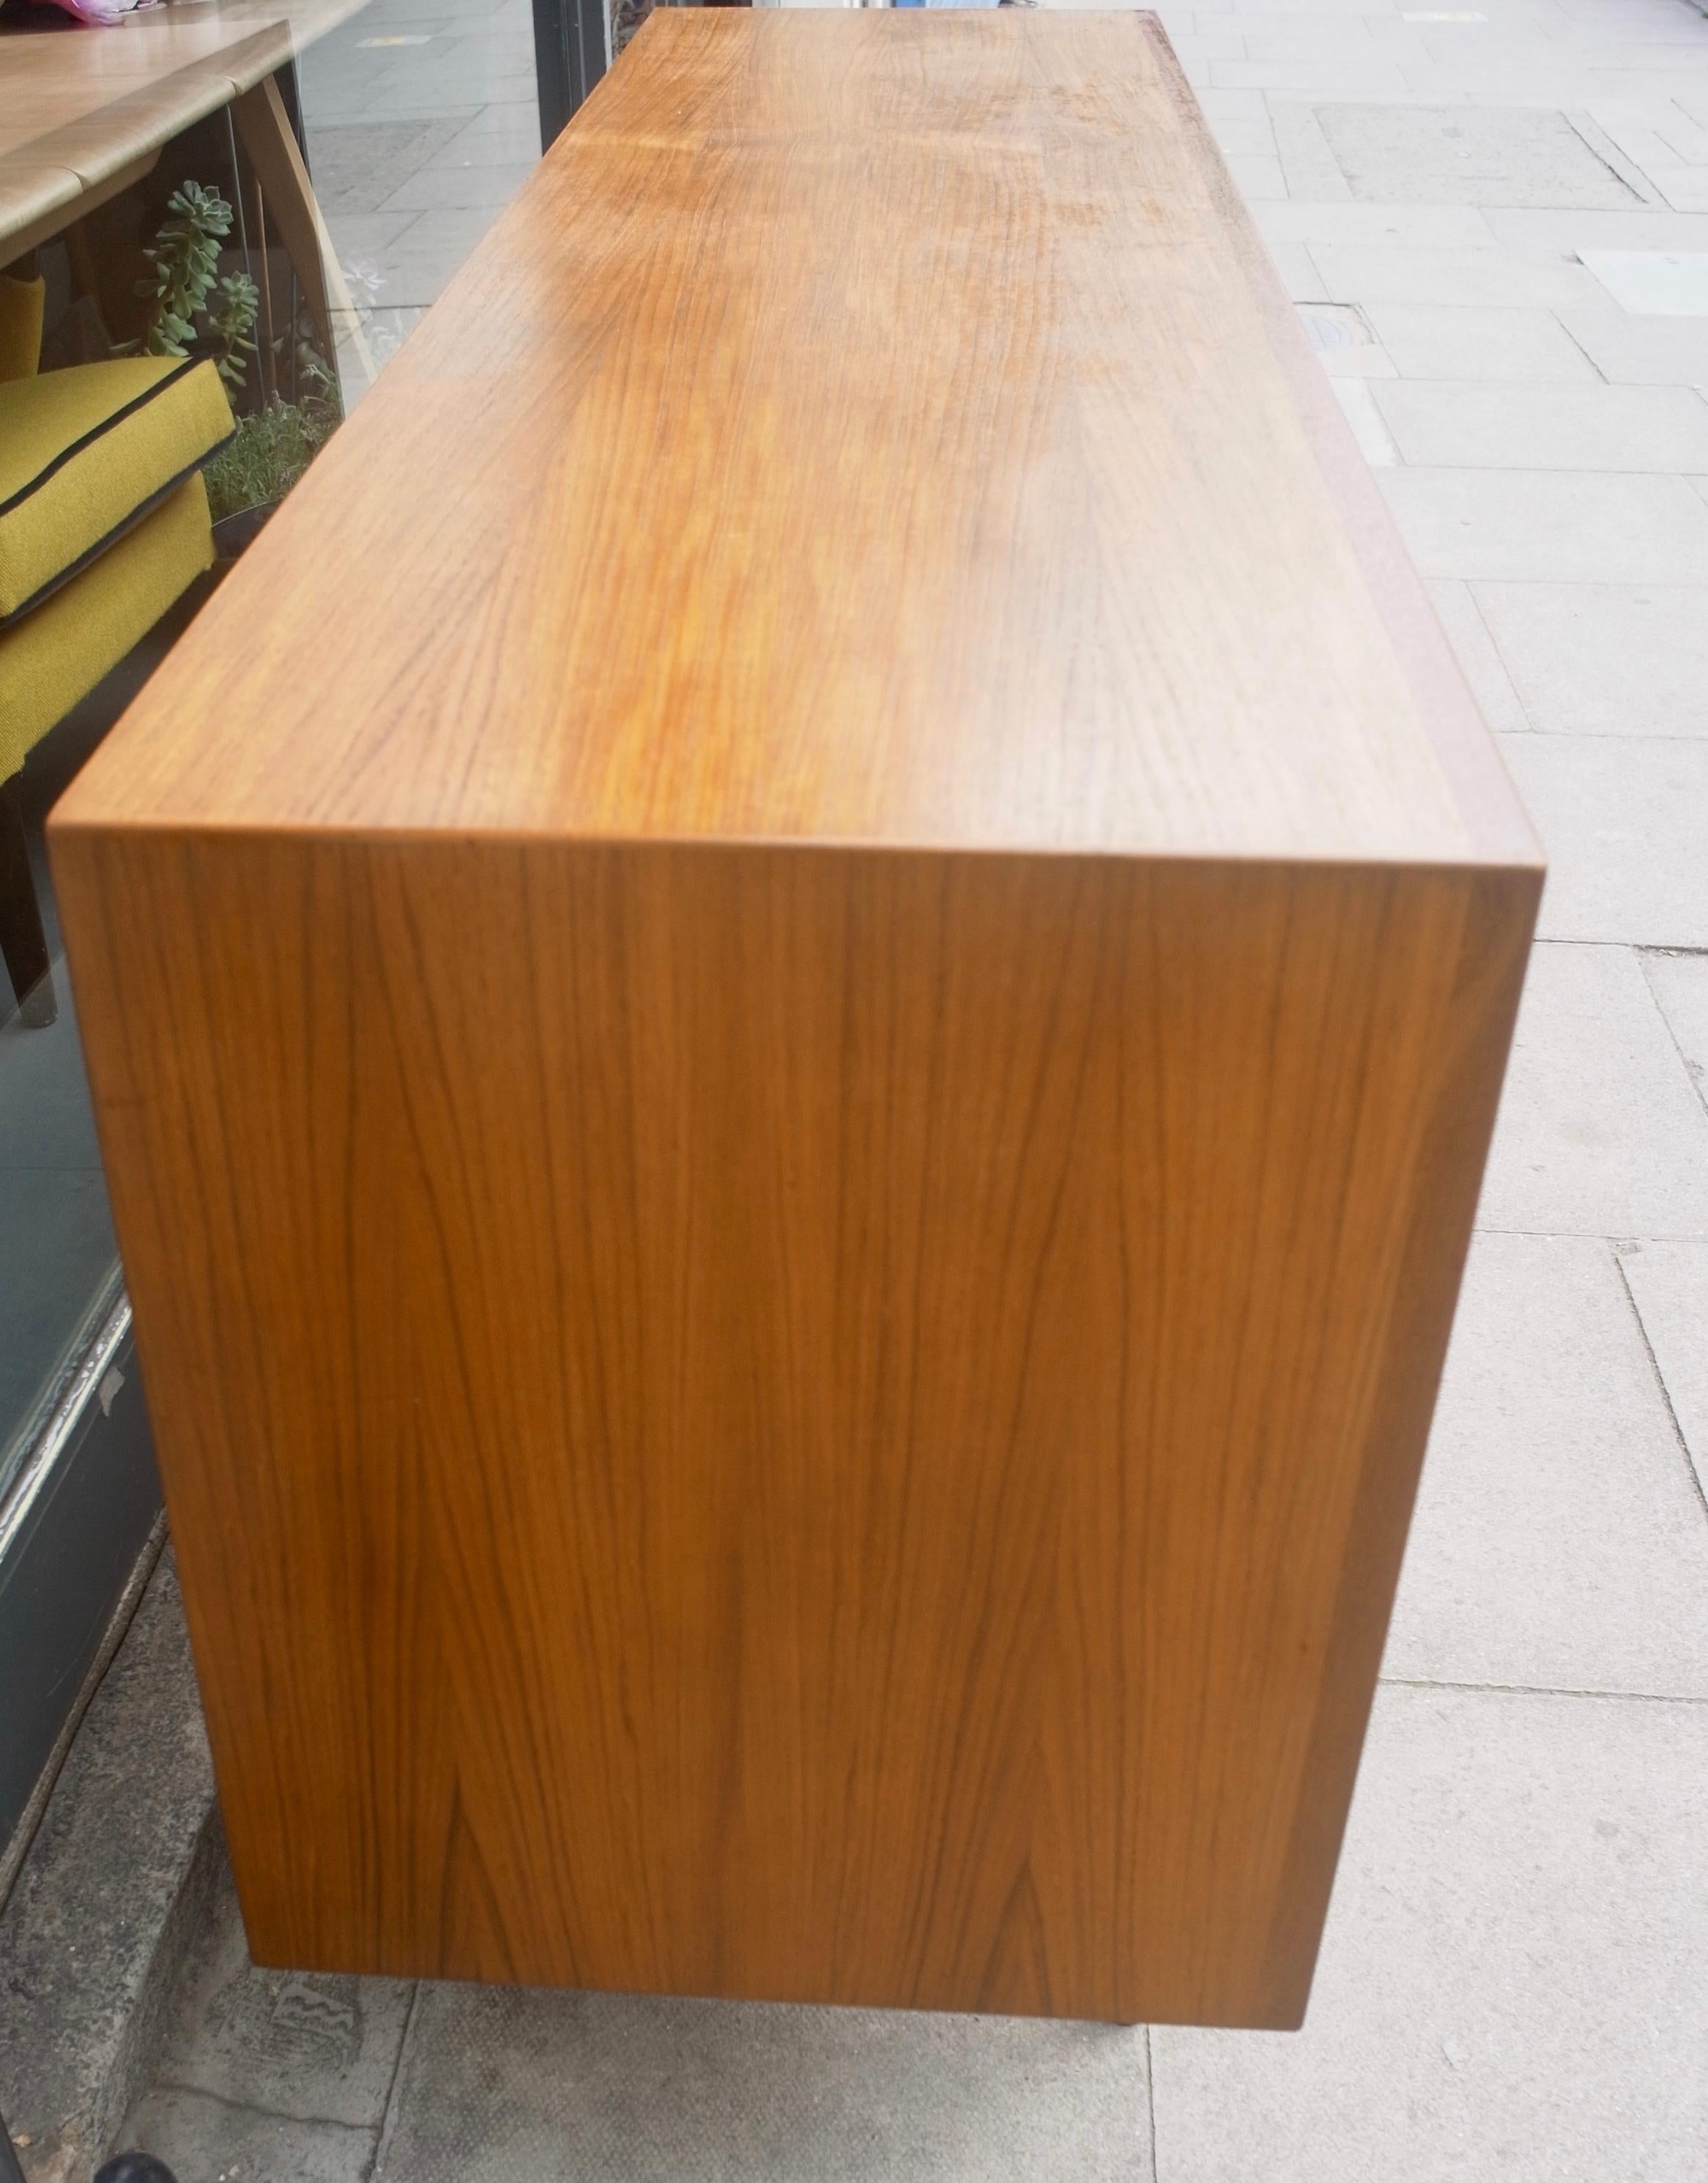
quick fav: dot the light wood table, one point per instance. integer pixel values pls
(794, 1004)
(85, 113)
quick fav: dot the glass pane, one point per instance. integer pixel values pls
(58, 1263)
(286, 240)
(421, 120)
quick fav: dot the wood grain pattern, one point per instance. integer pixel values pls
(979, 492)
(95, 107)
(32, 198)
(794, 1087)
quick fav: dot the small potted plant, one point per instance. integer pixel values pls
(194, 304)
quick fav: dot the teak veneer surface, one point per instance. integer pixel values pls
(795, 1004)
(854, 431)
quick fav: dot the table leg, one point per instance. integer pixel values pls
(277, 159)
(22, 941)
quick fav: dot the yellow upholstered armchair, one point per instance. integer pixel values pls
(104, 523)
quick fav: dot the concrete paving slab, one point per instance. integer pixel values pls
(1475, 650)
(1258, 175)
(1628, 130)
(1248, 134)
(504, 133)
(1551, 526)
(416, 265)
(1604, 659)
(1324, 74)
(1679, 983)
(1375, 441)
(1430, 341)
(1687, 138)
(1642, 228)
(1511, 1980)
(1458, 424)
(1299, 276)
(1217, 46)
(1226, 105)
(1659, 16)
(1303, 150)
(358, 164)
(1486, 277)
(1457, 156)
(1668, 1283)
(1636, 22)
(1368, 362)
(1639, 352)
(298, 2045)
(500, 2087)
(202, 2138)
(1303, 37)
(1654, 73)
(1286, 10)
(487, 185)
(1413, 227)
(1600, 1131)
(1668, 284)
(1685, 188)
(1629, 154)
(363, 240)
(1465, 82)
(1624, 819)
(1560, 1540)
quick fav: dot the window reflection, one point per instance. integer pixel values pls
(281, 241)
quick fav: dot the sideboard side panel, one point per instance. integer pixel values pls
(787, 1422)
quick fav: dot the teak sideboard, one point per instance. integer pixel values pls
(795, 1002)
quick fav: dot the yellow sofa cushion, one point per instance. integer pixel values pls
(85, 451)
(58, 654)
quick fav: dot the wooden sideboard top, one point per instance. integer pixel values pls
(864, 426)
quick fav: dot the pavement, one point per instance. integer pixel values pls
(423, 120)
(119, 1887)
(1495, 221)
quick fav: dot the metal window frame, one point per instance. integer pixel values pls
(572, 50)
(80, 1528)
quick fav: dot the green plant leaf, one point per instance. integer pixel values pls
(185, 259)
